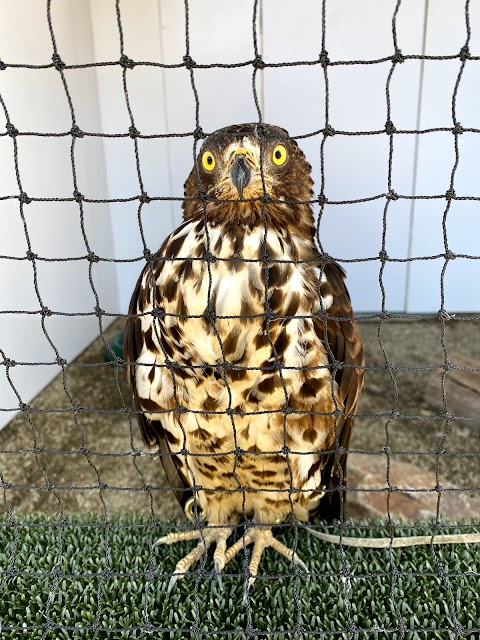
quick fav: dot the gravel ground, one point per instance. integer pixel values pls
(44, 457)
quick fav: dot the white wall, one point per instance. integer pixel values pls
(355, 166)
(162, 102)
(446, 35)
(36, 102)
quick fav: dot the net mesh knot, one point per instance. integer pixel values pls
(92, 257)
(209, 257)
(443, 315)
(11, 130)
(76, 132)
(270, 315)
(322, 199)
(324, 59)
(258, 63)
(189, 62)
(126, 62)
(24, 199)
(398, 57)
(383, 255)
(464, 53)
(390, 128)
(148, 255)
(58, 62)
(209, 315)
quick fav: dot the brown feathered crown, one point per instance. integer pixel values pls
(246, 174)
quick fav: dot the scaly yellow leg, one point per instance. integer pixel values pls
(207, 538)
(261, 537)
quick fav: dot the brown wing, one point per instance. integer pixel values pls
(152, 431)
(345, 346)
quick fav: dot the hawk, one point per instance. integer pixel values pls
(245, 360)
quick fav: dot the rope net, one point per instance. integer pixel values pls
(128, 560)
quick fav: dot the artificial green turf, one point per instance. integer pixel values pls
(68, 581)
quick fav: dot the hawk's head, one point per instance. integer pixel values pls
(240, 164)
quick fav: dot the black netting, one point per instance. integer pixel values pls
(108, 531)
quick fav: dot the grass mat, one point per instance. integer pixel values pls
(89, 578)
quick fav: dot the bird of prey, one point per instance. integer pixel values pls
(245, 360)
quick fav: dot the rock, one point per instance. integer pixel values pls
(462, 388)
(370, 472)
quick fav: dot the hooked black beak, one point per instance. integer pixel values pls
(240, 174)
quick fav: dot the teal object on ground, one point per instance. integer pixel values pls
(116, 345)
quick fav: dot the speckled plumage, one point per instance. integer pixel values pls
(227, 326)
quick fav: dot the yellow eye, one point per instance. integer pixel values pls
(208, 161)
(279, 155)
